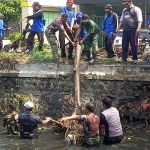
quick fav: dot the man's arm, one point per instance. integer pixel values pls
(102, 123)
(74, 117)
(103, 24)
(46, 120)
(20, 128)
(139, 18)
(77, 34)
(88, 34)
(72, 21)
(36, 15)
(115, 16)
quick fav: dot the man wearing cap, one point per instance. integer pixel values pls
(28, 122)
(131, 20)
(3, 27)
(110, 24)
(110, 120)
(71, 16)
(57, 25)
(76, 26)
(37, 27)
(91, 39)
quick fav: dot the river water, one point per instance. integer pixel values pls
(139, 140)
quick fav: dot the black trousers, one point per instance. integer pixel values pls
(1, 43)
(62, 45)
(30, 41)
(112, 140)
(109, 41)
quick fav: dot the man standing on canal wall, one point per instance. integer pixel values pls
(110, 24)
(91, 39)
(131, 20)
(71, 16)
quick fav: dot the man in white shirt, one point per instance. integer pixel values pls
(131, 20)
(110, 119)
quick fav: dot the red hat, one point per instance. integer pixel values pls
(70, 1)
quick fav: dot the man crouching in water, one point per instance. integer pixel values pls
(90, 125)
(28, 122)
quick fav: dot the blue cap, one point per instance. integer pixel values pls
(79, 15)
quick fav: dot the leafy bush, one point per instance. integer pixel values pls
(12, 37)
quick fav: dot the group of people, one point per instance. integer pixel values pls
(108, 122)
(81, 26)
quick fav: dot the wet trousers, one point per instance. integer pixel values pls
(112, 140)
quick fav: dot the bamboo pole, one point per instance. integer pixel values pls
(77, 73)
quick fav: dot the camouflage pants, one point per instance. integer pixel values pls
(51, 38)
(91, 43)
(93, 141)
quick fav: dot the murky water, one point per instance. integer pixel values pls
(49, 141)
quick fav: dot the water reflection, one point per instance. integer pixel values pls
(49, 141)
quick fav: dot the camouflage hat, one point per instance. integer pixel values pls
(1, 16)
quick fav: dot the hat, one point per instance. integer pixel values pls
(36, 3)
(70, 1)
(126, 1)
(85, 18)
(29, 105)
(79, 15)
(108, 6)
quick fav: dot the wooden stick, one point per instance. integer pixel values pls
(57, 122)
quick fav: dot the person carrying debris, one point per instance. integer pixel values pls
(110, 120)
(90, 125)
(37, 27)
(57, 24)
(3, 27)
(11, 120)
(131, 20)
(91, 39)
(109, 25)
(71, 16)
(28, 122)
(76, 26)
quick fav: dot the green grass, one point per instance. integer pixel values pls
(35, 56)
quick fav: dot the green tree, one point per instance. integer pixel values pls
(11, 9)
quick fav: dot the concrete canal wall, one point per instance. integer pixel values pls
(51, 86)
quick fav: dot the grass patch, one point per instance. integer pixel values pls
(35, 56)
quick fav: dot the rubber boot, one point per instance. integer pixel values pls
(94, 54)
(87, 56)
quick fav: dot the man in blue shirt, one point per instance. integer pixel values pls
(3, 27)
(71, 16)
(76, 26)
(37, 27)
(109, 25)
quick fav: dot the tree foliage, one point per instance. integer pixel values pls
(11, 9)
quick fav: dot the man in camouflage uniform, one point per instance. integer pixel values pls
(91, 39)
(90, 123)
(11, 120)
(57, 24)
